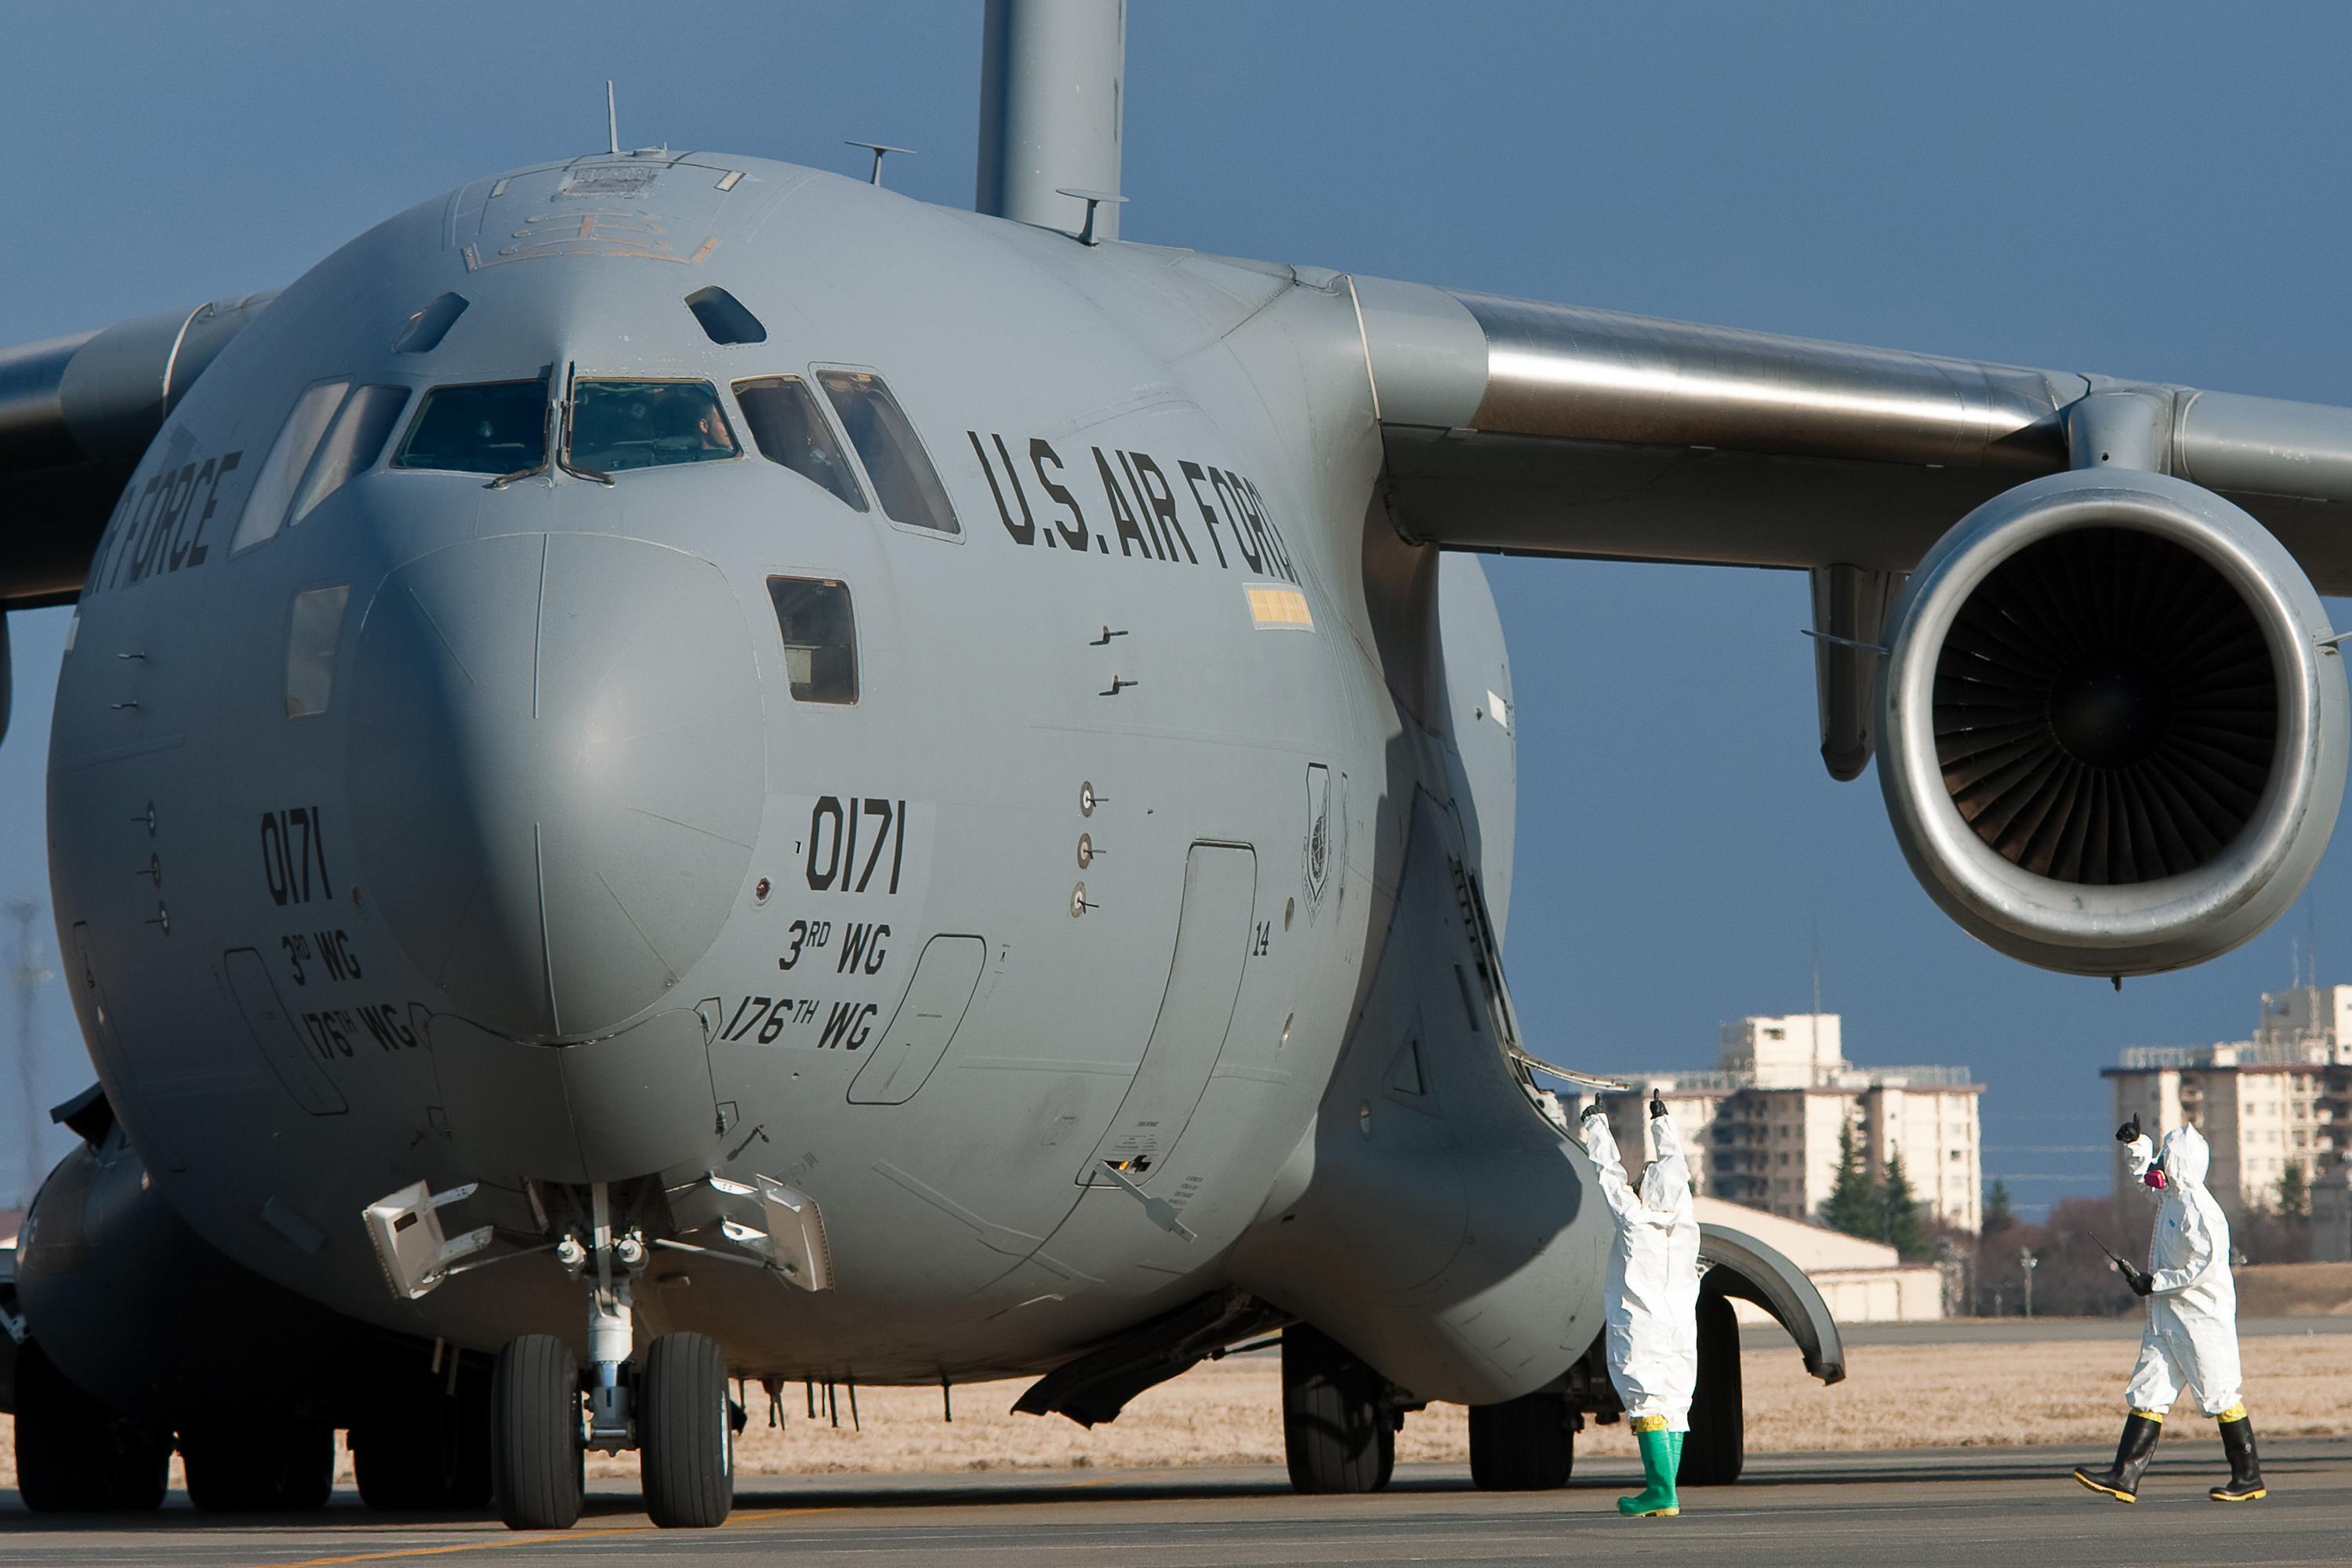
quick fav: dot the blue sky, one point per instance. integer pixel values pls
(2144, 190)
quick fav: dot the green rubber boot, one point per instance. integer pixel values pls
(1657, 1499)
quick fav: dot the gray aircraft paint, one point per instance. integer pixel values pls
(467, 832)
(562, 686)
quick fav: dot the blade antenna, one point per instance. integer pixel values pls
(612, 122)
(879, 149)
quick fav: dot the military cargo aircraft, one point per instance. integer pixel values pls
(676, 774)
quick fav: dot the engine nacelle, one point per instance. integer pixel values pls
(2113, 737)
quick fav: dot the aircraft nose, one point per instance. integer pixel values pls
(556, 773)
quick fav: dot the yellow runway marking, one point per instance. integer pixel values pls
(548, 1539)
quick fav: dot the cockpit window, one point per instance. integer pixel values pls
(903, 480)
(352, 444)
(789, 427)
(820, 637)
(423, 332)
(618, 425)
(488, 427)
(724, 318)
(289, 457)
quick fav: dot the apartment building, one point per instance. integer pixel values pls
(1763, 1128)
(2282, 1099)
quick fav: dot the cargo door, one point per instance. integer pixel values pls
(1213, 942)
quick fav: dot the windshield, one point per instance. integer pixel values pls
(493, 427)
(618, 425)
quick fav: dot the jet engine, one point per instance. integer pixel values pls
(2113, 727)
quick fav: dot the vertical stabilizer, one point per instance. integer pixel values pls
(1051, 77)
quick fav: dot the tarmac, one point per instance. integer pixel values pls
(1950, 1508)
(2006, 1331)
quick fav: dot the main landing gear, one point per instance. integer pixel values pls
(671, 1405)
(1339, 1434)
(74, 1454)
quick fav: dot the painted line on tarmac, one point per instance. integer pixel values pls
(550, 1539)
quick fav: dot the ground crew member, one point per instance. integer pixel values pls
(1651, 1301)
(2191, 1335)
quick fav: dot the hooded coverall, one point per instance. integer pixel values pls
(2191, 1335)
(1652, 1305)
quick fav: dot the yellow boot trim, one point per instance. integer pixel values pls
(2105, 1490)
(2255, 1496)
(2235, 1413)
(1646, 1423)
(2158, 1416)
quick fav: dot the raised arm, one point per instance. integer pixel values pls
(1602, 1144)
(2139, 1153)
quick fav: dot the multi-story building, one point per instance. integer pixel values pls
(2280, 1100)
(1763, 1128)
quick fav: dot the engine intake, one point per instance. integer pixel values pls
(2114, 742)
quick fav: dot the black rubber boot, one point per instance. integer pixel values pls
(2245, 1482)
(2120, 1480)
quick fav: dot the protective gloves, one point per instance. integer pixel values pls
(2140, 1281)
(2129, 1130)
(1657, 1108)
(1594, 1110)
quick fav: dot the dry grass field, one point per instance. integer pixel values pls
(1225, 1413)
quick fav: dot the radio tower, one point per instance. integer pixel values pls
(27, 975)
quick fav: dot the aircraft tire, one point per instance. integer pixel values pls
(1336, 1437)
(686, 1441)
(1715, 1452)
(536, 1451)
(285, 1467)
(73, 1454)
(1525, 1445)
(426, 1448)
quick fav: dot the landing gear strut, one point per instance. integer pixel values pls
(672, 1407)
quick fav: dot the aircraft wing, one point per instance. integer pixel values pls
(76, 414)
(1530, 428)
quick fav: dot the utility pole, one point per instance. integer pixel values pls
(2026, 1261)
(27, 975)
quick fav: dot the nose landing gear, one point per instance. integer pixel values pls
(672, 1405)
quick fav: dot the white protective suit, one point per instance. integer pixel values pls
(1653, 1298)
(2192, 1313)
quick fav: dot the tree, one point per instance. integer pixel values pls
(1899, 1214)
(1998, 1214)
(1852, 1206)
(2293, 1191)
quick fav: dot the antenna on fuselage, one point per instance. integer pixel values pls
(612, 122)
(873, 175)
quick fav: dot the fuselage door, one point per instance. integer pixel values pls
(1213, 942)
